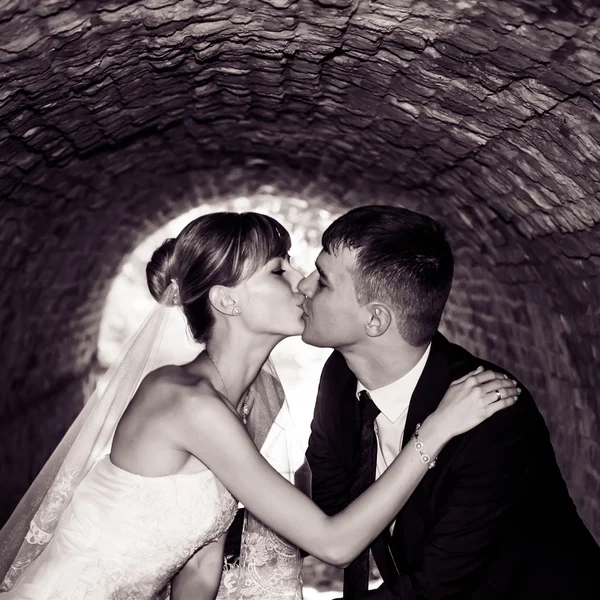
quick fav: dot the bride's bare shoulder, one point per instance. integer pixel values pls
(186, 401)
(177, 392)
(173, 382)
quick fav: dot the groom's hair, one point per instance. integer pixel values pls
(402, 259)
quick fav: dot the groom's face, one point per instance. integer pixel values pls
(333, 318)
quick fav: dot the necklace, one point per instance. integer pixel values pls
(245, 409)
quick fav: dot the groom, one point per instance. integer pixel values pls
(493, 519)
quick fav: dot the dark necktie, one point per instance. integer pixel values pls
(356, 574)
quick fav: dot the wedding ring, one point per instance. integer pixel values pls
(498, 395)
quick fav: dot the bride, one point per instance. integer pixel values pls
(149, 476)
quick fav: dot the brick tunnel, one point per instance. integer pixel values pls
(118, 116)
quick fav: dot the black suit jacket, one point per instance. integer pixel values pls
(493, 519)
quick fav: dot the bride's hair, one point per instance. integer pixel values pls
(221, 248)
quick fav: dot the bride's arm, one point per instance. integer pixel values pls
(217, 437)
(200, 577)
(220, 441)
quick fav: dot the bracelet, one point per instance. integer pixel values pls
(425, 458)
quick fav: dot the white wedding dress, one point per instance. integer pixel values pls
(124, 536)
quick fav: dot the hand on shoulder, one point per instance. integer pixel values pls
(474, 398)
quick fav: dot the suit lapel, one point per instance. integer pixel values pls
(350, 428)
(349, 419)
(430, 388)
(428, 393)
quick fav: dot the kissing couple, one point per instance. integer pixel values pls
(436, 461)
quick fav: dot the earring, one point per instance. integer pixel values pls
(237, 311)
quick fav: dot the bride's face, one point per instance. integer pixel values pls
(270, 300)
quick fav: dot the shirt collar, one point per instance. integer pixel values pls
(393, 399)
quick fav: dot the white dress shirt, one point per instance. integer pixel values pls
(393, 400)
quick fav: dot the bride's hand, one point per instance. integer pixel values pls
(473, 398)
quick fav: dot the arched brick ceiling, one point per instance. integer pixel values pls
(116, 116)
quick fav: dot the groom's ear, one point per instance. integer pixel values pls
(222, 299)
(380, 319)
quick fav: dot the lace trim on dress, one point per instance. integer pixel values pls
(270, 568)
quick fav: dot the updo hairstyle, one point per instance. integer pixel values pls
(221, 248)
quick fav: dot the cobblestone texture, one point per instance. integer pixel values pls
(116, 116)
